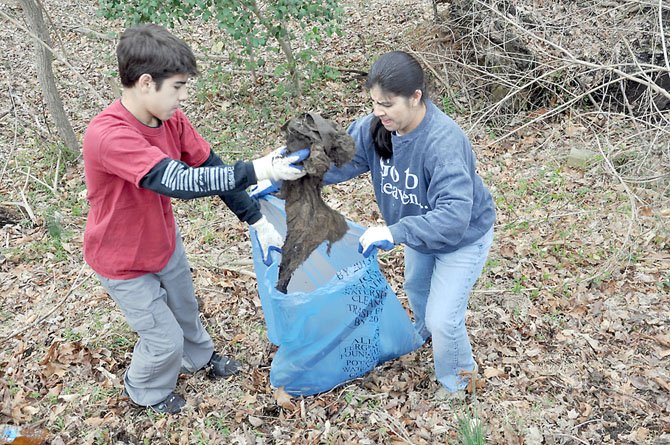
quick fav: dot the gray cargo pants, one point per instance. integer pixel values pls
(162, 309)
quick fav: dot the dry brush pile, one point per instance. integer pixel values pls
(605, 64)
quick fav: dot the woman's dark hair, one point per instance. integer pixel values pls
(400, 74)
(153, 50)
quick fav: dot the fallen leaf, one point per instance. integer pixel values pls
(94, 421)
(283, 399)
(69, 397)
(494, 372)
(255, 421)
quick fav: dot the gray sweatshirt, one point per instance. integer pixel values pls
(428, 192)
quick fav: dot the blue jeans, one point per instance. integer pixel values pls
(438, 287)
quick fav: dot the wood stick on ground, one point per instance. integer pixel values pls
(74, 286)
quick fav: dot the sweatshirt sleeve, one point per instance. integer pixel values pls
(450, 197)
(238, 201)
(177, 179)
(359, 130)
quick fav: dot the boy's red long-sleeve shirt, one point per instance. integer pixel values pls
(130, 230)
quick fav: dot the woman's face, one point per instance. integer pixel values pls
(397, 113)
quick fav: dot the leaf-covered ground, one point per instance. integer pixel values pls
(569, 322)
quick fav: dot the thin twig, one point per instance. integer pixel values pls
(349, 70)
(14, 139)
(55, 182)
(574, 59)
(430, 68)
(571, 437)
(660, 27)
(511, 94)
(631, 197)
(91, 32)
(57, 55)
(22, 205)
(28, 175)
(395, 426)
(25, 201)
(552, 112)
(74, 286)
(579, 425)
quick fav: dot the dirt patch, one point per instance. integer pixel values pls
(309, 220)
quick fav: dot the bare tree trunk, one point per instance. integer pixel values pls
(43, 59)
(285, 46)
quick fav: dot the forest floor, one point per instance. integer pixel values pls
(570, 321)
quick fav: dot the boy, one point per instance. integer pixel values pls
(138, 153)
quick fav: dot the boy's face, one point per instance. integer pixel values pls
(162, 103)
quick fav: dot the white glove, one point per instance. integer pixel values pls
(375, 237)
(280, 165)
(267, 238)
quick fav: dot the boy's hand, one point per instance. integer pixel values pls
(267, 238)
(375, 237)
(280, 165)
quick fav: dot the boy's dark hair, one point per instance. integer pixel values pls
(153, 50)
(400, 74)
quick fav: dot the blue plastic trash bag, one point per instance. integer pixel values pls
(339, 318)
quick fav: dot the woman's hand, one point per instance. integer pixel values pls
(375, 237)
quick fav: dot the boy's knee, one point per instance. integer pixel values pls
(172, 342)
(165, 342)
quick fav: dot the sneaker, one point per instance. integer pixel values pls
(172, 404)
(222, 366)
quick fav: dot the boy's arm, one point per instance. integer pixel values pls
(239, 201)
(188, 182)
(176, 179)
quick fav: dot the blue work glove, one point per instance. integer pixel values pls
(263, 188)
(281, 165)
(375, 237)
(267, 238)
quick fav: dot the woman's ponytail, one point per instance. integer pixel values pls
(381, 138)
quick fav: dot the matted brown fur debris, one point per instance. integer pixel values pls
(309, 220)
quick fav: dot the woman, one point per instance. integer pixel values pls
(433, 202)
